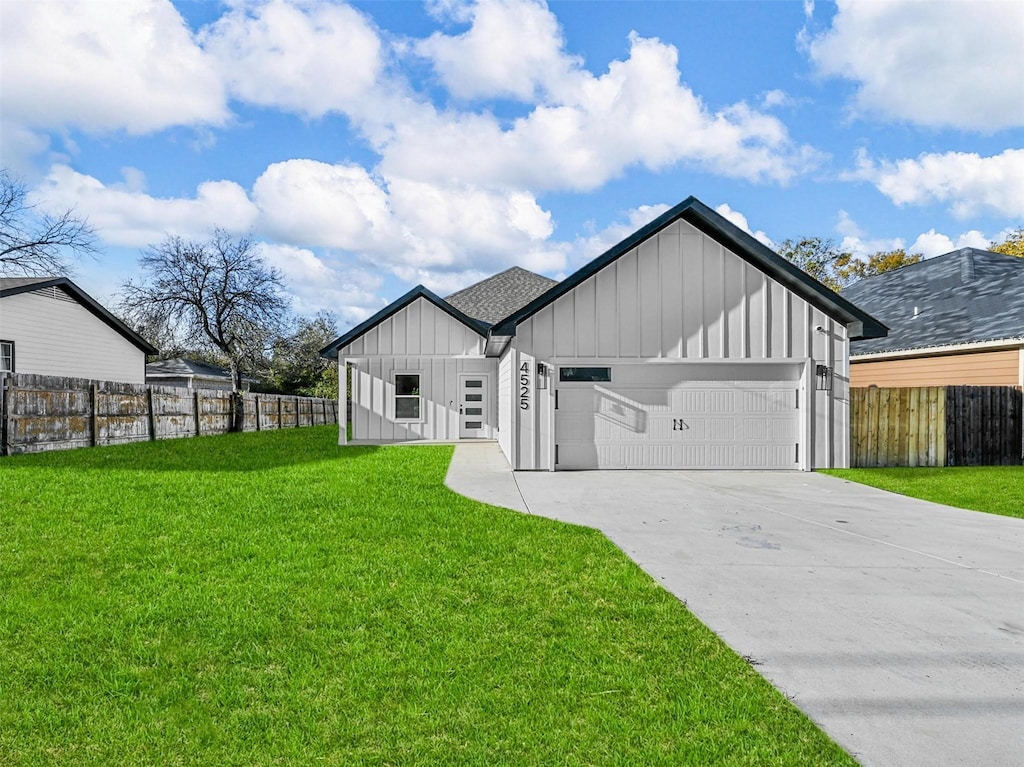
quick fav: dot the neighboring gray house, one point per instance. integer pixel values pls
(50, 326)
(193, 374)
(956, 319)
(687, 345)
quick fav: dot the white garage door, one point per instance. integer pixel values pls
(678, 416)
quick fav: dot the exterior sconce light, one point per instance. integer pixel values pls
(542, 375)
(823, 373)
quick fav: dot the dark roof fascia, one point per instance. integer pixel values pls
(89, 303)
(694, 212)
(478, 327)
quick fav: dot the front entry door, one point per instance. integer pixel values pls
(473, 407)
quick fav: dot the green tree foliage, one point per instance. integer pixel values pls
(1013, 245)
(882, 261)
(835, 268)
(295, 364)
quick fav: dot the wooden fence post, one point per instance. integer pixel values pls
(297, 424)
(257, 398)
(94, 425)
(7, 382)
(152, 414)
(280, 417)
(197, 412)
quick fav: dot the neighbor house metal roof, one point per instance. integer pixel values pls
(12, 286)
(966, 296)
(499, 296)
(179, 367)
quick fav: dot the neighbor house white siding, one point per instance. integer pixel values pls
(54, 334)
(680, 295)
(424, 340)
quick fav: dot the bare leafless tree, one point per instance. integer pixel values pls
(34, 243)
(217, 294)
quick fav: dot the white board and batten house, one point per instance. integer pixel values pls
(50, 326)
(689, 345)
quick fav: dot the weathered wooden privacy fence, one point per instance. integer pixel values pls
(50, 413)
(937, 426)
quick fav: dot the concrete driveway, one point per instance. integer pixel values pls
(896, 624)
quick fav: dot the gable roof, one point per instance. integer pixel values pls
(499, 296)
(696, 213)
(331, 350)
(965, 296)
(12, 286)
(180, 367)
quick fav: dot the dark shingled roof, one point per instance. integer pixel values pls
(499, 296)
(7, 283)
(966, 296)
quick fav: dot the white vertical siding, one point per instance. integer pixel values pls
(418, 329)
(419, 338)
(58, 336)
(373, 393)
(505, 400)
(682, 295)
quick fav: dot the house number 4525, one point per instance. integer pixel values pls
(524, 386)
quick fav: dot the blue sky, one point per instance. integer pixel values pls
(372, 146)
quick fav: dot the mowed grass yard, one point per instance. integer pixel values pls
(272, 598)
(992, 489)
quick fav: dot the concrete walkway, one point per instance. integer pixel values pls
(896, 624)
(479, 470)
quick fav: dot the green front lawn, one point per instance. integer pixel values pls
(271, 598)
(993, 489)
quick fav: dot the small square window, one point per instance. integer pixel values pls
(474, 384)
(6, 356)
(474, 411)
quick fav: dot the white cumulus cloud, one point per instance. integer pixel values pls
(302, 58)
(101, 66)
(931, 243)
(737, 218)
(638, 113)
(125, 215)
(514, 48)
(318, 282)
(948, 64)
(965, 181)
(306, 202)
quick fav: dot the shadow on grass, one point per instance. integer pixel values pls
(245, 452)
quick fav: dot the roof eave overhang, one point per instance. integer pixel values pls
(932, 351)
(496, 345)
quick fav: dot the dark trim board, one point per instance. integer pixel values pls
(860, 324)
(88, 302)
(480, 328)
(696, 213)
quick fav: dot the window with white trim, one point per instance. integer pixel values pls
(408, 401)
(6, 356)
